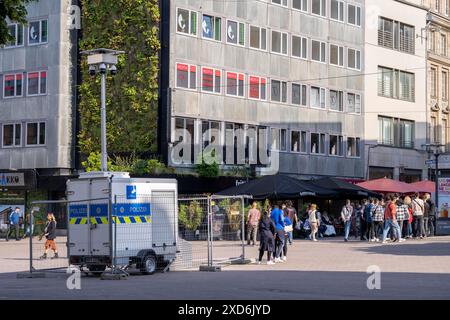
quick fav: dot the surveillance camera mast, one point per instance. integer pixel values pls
(100, 61)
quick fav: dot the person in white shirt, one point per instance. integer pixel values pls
(346, 216)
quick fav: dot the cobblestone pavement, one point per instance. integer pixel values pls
(328, 269)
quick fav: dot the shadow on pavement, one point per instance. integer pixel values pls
(242, 285)
(410, 249)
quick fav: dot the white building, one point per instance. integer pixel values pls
(395, 96)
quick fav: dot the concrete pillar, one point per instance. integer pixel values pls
(396, 173)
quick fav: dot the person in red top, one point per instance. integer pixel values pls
(390, 218)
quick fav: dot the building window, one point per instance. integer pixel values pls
(12, 135)
(445, 85)
(298, 141)
(396, 84)
(406, 134)
(318, 51)
(319, 7)
(211, 80)
(212, 27)
(280, 2)
(301, 5)
(396, 35)
(336, 55)
(258, 38)
(37, 83)
(184, 133)
(336, 146)
(36, 133)
(278, 91)
(337, 10)
(445, 133)
(299, 47)
(257, 88)
(353, 147)
(279, 42)
(437, 5)
(279, 139)
(235, 84)
(186, 76)
(432, 41)
(187, 22)
(38, 32)
(354, 59)
(353, 103)
(354, 15)
(434, 134)
(317, 143)
(236, 32)
(317, 97)
(299, 94)
(443, 45)
(336, 100)
(15, 31)
(386, 131)
(433, 79)
(12, 85)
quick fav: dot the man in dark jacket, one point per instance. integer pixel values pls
(429, 217)
(14, 219)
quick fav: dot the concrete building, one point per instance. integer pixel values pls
(286, 73)
(38, 102)
(395, 109)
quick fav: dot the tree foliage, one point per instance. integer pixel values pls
(15, 11)
(132, 95)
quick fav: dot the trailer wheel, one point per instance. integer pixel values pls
(97, 270)
(149, 265)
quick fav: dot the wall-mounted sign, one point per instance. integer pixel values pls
(12, 179)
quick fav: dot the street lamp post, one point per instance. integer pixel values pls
(101, 61)
(437, 153)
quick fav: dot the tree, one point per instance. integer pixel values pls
(15, 11)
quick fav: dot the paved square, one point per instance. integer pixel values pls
(328, 269)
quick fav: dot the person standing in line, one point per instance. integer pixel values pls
(428, 217)
(346, 216)
(50, 234)
(278, 219)
(418, 212)
(402, 214)
(390, 217)
(14, 224)
(407, 229)
(378, 218)
(267, 234)
(368, 212)
(362, 220)
(252, 223)
(293, 217)
(288, 227)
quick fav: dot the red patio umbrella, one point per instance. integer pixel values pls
(387, 186)
(424, 186)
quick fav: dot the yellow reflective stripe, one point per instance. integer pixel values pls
(104, 220)
(73, 220)
(83, 221)
(127, 220)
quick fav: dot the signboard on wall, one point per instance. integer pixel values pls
(443, 221)
(12, 179)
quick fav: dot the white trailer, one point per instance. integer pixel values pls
(122, 221)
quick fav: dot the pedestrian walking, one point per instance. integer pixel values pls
(278, 219)
(14, 224)
(418, 211)
(267, 233)
(252, 223)
(313, 219)
(29, 226)
(50, 235)
(346, 216)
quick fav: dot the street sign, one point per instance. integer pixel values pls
(430, 162)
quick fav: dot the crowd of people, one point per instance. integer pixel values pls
(392, 219)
